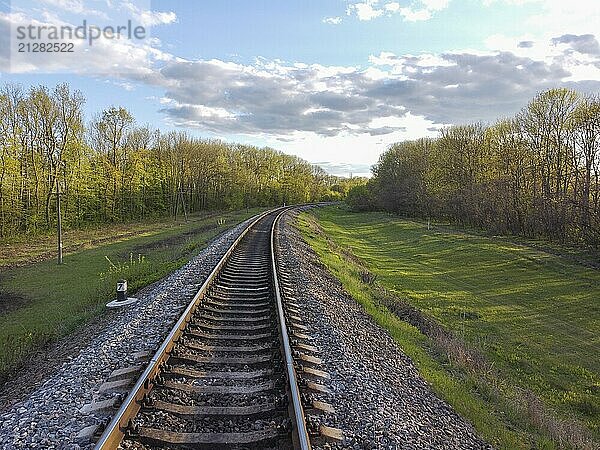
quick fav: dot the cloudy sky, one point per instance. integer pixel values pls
(333, 81)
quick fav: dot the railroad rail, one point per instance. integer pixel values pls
(225, 377)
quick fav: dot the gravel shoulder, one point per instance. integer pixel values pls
(41, 406)
(381, 401)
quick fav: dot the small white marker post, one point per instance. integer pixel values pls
(122, 299)
(121, 290)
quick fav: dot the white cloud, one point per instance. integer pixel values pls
(579, 54)
(351, 151)
(137, 57)
(411, 15)
(407, 61)
(367, 10)
(332, 20)
(122, 84)
(280, 99)
(418, 11)
(145, 17)
(120, 57)
(556, 17)
(392, 7)
(75, 7)
(435, 5)
(345, 169)
(149, 18)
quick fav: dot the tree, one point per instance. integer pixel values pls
(108, 136)
(586, 124)
(536, 174)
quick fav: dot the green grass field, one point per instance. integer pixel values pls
(43, 301)
(535, 316)
(25, 249)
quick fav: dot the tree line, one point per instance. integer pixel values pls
(535, 174)
(112, 169)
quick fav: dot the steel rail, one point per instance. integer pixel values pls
(303, 442)
(115, 431)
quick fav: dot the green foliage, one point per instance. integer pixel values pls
(361, 198)
(535, 175)
(115, 171)
(532, 314)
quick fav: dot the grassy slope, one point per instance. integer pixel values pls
(536, 316)
(23, 249)
(59, 298)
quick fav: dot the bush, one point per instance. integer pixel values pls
(361, 198)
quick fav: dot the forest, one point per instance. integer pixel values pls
(535, 175)
(110, 169)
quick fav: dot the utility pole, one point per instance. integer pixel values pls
(59, 223)
(184, 208)
(180, 197)
(181, 192)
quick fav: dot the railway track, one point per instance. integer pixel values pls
(226, 376)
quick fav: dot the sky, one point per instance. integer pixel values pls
(332, 81)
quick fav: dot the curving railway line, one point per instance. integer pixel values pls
(226, 376)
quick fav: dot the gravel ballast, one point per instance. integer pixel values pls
(380, 399)
(50, 417)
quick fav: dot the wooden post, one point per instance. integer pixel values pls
(180, 197)
(183, 205)
(59, 224)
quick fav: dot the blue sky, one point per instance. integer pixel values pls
(333, 81)
(294, 30)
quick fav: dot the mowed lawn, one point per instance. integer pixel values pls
(535, 315)
(42, 301)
